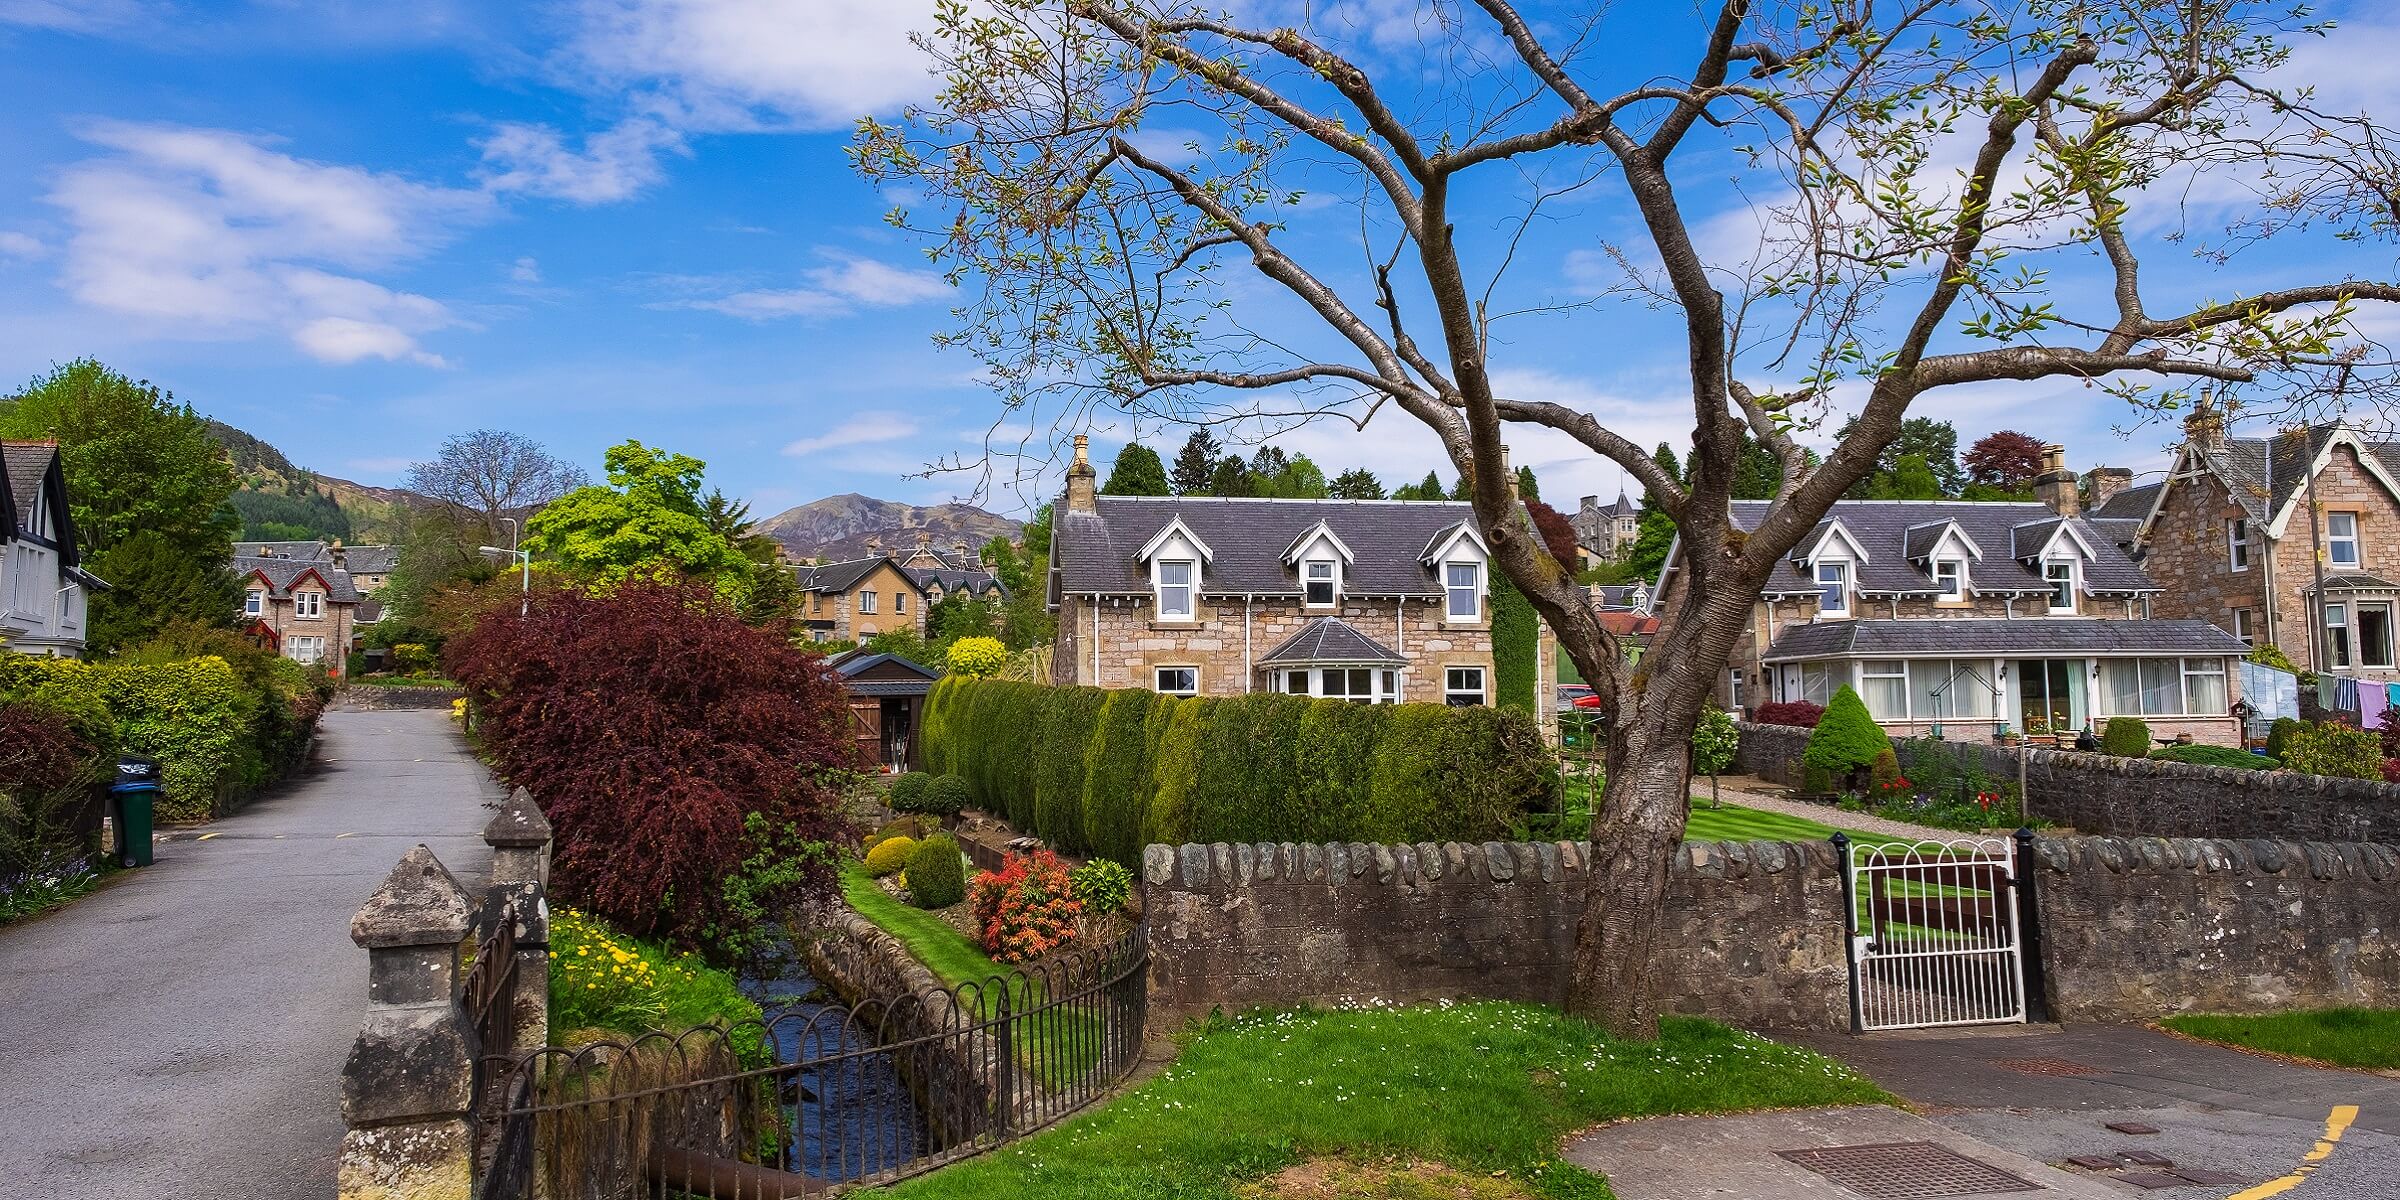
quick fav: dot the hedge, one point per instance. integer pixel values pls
(1516, 645)
(1106, 772)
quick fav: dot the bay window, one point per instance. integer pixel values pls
(2374, 620)
(1884, 686)
(2337, 634)
(1363, 685)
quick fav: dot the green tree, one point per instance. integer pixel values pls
(1232, 477)
(1910, 479)
(1933, 442)
(1137, 472)
(1527, 487)
(1430, 488)
(774, 589)
(166, 587)
(1846, 739)
(1195, 464)
(1357, 483)
(1757, 473)
(1714, 741)
(1298, 479)
(646, 521)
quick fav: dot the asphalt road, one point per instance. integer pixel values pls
(181, 1032)
(2049, 1093)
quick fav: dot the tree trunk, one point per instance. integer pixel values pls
(1637, 831)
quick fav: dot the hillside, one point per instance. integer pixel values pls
(838, 527)
(281, 501)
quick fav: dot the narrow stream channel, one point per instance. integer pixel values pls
(853, 1118)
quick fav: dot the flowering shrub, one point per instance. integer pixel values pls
(602, 981)
(1026, 909)
(1101, 886)
(977, 656)
(890, 855)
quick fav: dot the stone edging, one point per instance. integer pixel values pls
(1232, 865)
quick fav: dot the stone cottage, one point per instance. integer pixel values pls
(303, 608)
(1977, 617)
(856, 599)
(2230, 539)
(1379, 601)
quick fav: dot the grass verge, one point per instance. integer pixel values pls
(944, 950)
(42, 891)
(603, 980)
(2366, 1038)
(1488, 1088)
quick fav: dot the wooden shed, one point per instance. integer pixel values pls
(887, 703)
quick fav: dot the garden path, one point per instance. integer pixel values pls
(181, 1032)
(1751, 792)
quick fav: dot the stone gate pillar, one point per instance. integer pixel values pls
(520, 840)
(410, 1077)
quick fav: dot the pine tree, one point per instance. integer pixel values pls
(1357, 483)
(1195, 464)
(1527, 488)
(1429, 489)
(1137, 472)
(1230, 477)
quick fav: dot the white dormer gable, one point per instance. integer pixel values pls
(1952, 542)
(2063, 542)
(2367, 461)
(1836, 541)
(1454, 544)
(1313, 540)
(1175, 541)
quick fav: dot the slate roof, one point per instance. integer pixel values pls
(1973, 636)
(973, 582)
(26, 463)
(24, 468)
(303, 551)
(370, 560)
(888, 687)
(1618, 595)
(1595, 525)
(1882, 527)
(282, 573)
(1095, 551)
(2264, 473)
(860, 661)
(840, 576)
(2131, 504)
(1330, 640)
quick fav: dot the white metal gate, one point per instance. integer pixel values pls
(1933, 934)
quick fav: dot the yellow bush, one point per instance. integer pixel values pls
(889, 855)
(976, 656)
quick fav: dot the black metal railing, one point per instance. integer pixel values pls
(863, 1094)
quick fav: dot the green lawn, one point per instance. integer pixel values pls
(1488, 1088)
(943, 950)
(2368, 1038)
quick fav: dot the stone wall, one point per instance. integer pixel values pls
(1133, 645)
(1753, 933)
(2136, 928)
(2103, 794)
(953, 1079)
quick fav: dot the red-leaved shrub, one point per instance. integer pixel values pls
(1789, 712)
(1026, 909)
(2391, 770)
(649, 722)
(39, 750)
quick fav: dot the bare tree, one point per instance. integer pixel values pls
(1945, 192)
(491, 474)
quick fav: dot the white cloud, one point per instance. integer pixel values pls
(613, 164)
(209, 233)
(74, 16)
(740, 63)
(846, 283)
(857, 431)
(20, 245)
(525, 270)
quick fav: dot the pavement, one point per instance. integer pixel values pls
(1736, 1157)
(180, 1033)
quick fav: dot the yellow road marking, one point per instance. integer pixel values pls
(204, 837)
(2337, 1122)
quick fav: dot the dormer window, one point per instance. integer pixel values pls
(1322, 578)
(308, 605)
(2060, 575)
(1950, 580)
(1834, 579)
(1175, 589)
(1462, 584)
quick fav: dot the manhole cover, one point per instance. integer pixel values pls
(1906, 1171)
(2045, 1066)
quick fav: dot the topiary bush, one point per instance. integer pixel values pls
(937, 875)
(949, 796)
(1883, 774)
(1846, 739)
(2333, 749)
(2215, 756)
(2126, 737)
(908, 827)
(1798, 713)
(2279, 732)
(908, 792)
(890, 855)
(1102, 886)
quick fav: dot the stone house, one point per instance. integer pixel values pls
(855, 600)
(1379, 601)
(1977, 617)
(303, 608)
(370, 567)
(2230, 539)
(1604, 531)
(44, 592)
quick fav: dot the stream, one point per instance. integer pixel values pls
(852, 1118)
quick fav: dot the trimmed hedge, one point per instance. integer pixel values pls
(937, 876)
(890, 854)
(908, 792)
(2126, 737)
(2216, 756)
(1111, 771)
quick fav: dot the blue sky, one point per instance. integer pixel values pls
(352, 228)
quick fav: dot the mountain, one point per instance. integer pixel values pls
(283, 502)
(837, 527)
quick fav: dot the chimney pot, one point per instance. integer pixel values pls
(2055, 486)
(1083, 484)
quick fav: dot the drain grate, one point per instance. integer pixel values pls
(1906, 1171)
(2045, 1066)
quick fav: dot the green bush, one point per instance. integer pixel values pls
(1067, 736)
(1846, 740)
(1102, 886)
(1516, 645)
(2217, 756)
(908, 792)
(1117, 779)
(937, 876)
(1178, 728)
(949, 796)
(912, 828)
(2331, 748)
(2279, 732)
(1884, 773)
(890, 854)
(2126, 737)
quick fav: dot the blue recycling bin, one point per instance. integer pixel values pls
(136, 796)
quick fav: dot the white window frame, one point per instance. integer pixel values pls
(308, 606)
(2237, 543)
(1456, 693)
(312, 643)
(2244, 626)
(1331, 578)
(1383, 683)
(899, 604)
(1158, 680)
(1837, 587)
(254, 602)
(1886, 669)
(2335, 541)
(1950, 580)
(1733, 691)
(2207, 666)
(2184, 671)
(1452, 590)
(1190, 587)
(2073, 579)
(2337, 633)
(866, 600)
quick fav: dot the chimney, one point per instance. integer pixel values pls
(1590, 507)
(2104, 482)
(2204, 430)
(1083, 486)
(2055, 486)
(958, 551)
(1509, 473)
